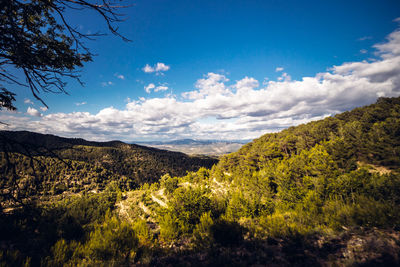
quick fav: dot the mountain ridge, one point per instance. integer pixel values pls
(323, 193)
(55, 160)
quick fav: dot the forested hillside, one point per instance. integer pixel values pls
(367, 136)
(48, 164)
(323, 193)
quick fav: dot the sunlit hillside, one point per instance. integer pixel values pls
(322, 193)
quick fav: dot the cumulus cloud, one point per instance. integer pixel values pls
(278, 69)
(43, 109)
(33, 112)
(217, 108)
(213, 84)
(148, 69)
(80, 103)
(158, 68)
(121, 77)
(161, 67)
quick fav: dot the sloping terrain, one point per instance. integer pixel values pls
(326, 193)
(64, 164)
(369, 135)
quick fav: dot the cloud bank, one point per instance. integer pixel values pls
(222, 109)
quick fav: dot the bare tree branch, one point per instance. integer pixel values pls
(37, 38)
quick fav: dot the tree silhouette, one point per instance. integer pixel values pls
(37, 40)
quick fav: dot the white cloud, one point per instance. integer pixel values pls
(212, 85)
(33, 112)
(43, 109)
(391, 47)
(28, 101)
(121, 77)
(152, 86)
(278, 69)
(159, 67)
(220, 109)
(80, 103)
(149, 87)
(148, 69)
(363, 51)
(161, 88)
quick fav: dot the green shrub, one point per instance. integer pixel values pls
(143, 232)
(169, 229)
(171, 184)
(188, 204)
(114, 240)
(202, 233)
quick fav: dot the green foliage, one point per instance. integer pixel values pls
(249, 205)
(169, 228)
(85, 209)
(170, 183)
(50, 165)
(369, 134)
(143, 232)
(203, 237)
(188, 204)
(314, 187)
(114, 239)
(112, 242)
(62, 252)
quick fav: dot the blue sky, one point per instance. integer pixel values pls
(226, 69)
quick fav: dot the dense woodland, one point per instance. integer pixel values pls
(51, 165)
(322, 193)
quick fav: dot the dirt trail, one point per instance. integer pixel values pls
(159, 201)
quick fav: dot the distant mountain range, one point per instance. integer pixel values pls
(193, 142)
(200, 147)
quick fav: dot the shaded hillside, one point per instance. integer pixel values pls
(60, 163)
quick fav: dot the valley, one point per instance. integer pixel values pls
(199, 147)
(322, 193)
